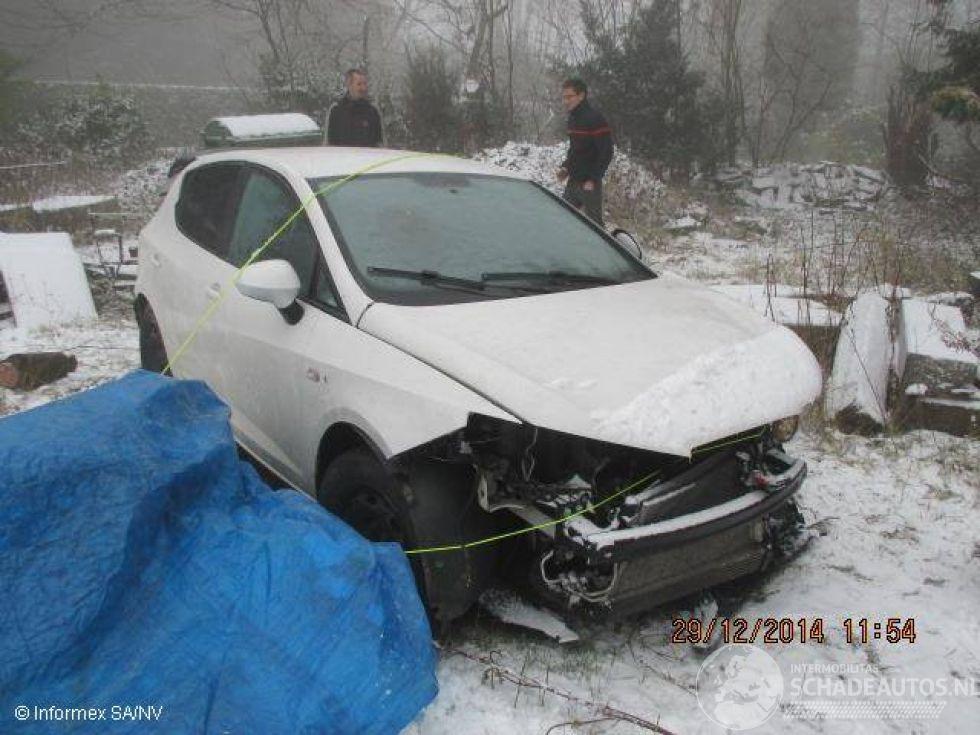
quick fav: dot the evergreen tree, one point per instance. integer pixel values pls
(432, 117)
(954, 88)
(8, 87)
(644, 87)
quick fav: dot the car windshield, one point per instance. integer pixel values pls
(432, 238)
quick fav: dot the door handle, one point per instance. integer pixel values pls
(213, 291)
(155, 259)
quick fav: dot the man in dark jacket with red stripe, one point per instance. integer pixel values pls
(353, 120)
(590, 149)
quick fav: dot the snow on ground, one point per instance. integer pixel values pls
(928, 329)
(105, 350)
(140, 190)
(902, 523)
(57, 203)
(900, 517)
(783, 304)
(509, 607)
(52, 204)
(540, 162)
(709, 258)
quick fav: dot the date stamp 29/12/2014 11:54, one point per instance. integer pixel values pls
(700, 632)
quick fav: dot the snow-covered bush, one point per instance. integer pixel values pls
(629, 187)
(104, 124)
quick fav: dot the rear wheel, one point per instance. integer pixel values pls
(430, 505)
(153, 355)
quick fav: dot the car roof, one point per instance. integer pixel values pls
(324, 161)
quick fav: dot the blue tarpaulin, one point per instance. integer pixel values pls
(144, 566)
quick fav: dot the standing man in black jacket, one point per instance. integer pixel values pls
(590, 149)
(353, 120)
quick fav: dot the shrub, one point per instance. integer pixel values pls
(104, 124)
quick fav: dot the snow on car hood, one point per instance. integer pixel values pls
(664, 364)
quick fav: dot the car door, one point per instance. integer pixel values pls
(188, 263)
(277, 388)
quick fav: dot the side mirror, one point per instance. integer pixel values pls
(628, 241)
(276, 283)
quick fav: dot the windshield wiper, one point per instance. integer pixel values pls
(426, 276)
(434, 278)
(554, 276)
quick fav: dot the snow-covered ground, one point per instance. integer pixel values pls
(900, 518)
(895, 519)
(901, 523)
(105, 350)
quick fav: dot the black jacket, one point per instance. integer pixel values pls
(590, 144)
(353, 122)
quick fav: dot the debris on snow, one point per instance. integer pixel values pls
(857, 391)
(826, 184)
(927, 346)
(509, 608)
(860, 490)
(682, 225)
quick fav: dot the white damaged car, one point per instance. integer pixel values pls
(442, 353)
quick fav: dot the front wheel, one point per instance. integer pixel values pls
(430, 505)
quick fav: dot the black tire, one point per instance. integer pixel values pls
(433, 505)
(153, 354)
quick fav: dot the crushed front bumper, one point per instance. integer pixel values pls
(639, 540)
(649, 563)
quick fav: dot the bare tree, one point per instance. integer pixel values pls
(805, 67)
(724, 30)
(304, 45)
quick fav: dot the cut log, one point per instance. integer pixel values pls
(27, 371)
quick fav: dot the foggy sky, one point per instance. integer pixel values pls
(195, 45)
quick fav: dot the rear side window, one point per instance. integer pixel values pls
(206, 205)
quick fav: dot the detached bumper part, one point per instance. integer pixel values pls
(666, 559)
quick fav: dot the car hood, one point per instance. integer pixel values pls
(663, 364)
